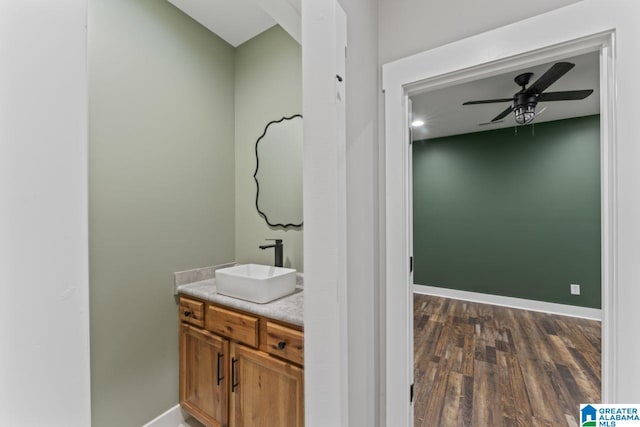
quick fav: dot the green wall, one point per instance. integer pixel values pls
(161, 170)
(512, 215)
(171, 183)
(268, 87)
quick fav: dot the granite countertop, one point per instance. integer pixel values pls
(201, 283)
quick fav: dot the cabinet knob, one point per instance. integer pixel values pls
(281, 345)
(187, 313)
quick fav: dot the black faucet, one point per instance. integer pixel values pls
(278, 250)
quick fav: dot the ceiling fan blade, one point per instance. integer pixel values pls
(569, 95)
(547, 79)
(490, 123)
(504, 114)
(488, 101)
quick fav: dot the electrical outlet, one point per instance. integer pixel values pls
(575, 289)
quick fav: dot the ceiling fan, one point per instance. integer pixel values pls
(524, 102)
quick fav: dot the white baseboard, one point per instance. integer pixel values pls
(174, 417)
(524, 304)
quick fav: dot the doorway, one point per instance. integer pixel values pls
(427, 75)
(507, 215)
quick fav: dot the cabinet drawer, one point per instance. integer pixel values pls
(285, 342)
(191, 311)
(236, 326)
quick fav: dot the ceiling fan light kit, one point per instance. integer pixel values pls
(525, 108)
(524, 102)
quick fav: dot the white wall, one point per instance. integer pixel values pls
(324, 220)
(44, 318)
(325, 295)
(407, 27)
(362, 212)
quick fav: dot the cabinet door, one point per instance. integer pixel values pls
(204, 365)
(265, 391)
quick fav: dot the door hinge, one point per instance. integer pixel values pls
(410, 264)
(411, 394)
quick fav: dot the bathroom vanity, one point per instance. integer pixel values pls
(241, 363)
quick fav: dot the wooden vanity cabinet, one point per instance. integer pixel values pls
(265, 391)
(238, 369)
(204, 361)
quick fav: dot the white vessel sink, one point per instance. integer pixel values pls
(255, 282)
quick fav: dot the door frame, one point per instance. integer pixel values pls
(606, 27)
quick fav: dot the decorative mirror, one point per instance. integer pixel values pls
(278, 172)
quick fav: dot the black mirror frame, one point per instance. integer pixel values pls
(262, 214)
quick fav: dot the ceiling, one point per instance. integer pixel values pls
(444, 115)
(237, 21)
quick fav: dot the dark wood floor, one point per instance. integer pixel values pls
(484, 365)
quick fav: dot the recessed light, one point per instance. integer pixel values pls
(417, 123)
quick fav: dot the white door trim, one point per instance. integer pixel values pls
(589, 25)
